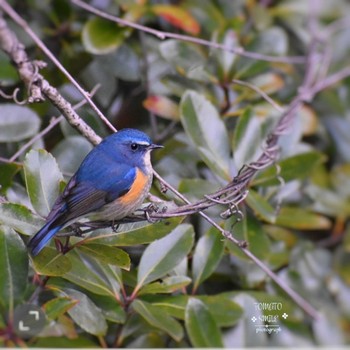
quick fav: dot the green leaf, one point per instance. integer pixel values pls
(112, 309)
(86, 314)
(58, 306)
(201, 326)
(261, 207)
(17, 123)
(7, 171)
(302, 219)
(14, 268)
(203, 125)
(51, 263)
(295, 167)
(70, 152)
(224, 310)
(197, 188)
(248, 137)
(107, 255)
(159, 319)
(226, 59)
(100, 36)
(20, 218)
(161, 256)
(133, 234)
(244, 333)
(207, 255)
(63, 342)
(183, 56)
(250, 230)
(86, 273)
(123, 63)
(168, 285)
(42, 180)
(272, 41)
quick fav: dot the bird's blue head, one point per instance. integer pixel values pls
(131, 146)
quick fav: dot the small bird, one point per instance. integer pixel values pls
(111, 183)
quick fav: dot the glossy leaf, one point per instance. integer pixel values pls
(51, 263)
(123, 63)
(42, 180)
(161, 256)
(269, 83)
(197, 188)
(167, 285)
(58, 306)
(162, 106)
(224, 310)
(201, 326)
(86, 314)
(251, 231)
(207, 255)
(261, 207)
(159, 319)
(186, 58)
(248, 137)
(226, 59)
(20, 218)
(291, 168)
(203, 125)
(14, 268)
(245, 334)
(84, 274)
(70, 152)
(7, 171)
(178, 17)
(100, 36)
(111, 308)
(302, 219)
(107, 255)
(17, 123)
(134, 234)
(63, 342)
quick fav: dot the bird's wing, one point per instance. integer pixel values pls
(88, 192)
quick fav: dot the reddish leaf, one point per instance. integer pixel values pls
(162, 106)
(178, 17)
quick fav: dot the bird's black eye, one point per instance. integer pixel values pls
(134, 146)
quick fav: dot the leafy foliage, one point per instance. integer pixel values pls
(178, 282)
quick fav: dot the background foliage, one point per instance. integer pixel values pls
(179, 283)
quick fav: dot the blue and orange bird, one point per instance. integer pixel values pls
(111, 183)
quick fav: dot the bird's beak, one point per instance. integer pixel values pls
(154, 146)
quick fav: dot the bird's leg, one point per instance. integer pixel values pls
(151, 208)
(76, 227)
(115, 226)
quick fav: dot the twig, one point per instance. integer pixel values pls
(52, 124)
(24, 25)
(38, 87)
(163, 35)
(260, 92)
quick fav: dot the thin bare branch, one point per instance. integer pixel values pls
(38, 87)
(263, 94)
(24, 25)
(53, 122)
(164, 35)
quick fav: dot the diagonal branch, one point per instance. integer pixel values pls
(164, 35)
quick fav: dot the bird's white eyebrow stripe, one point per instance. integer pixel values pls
(144, 143)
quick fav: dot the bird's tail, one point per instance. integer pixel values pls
(40, 239)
